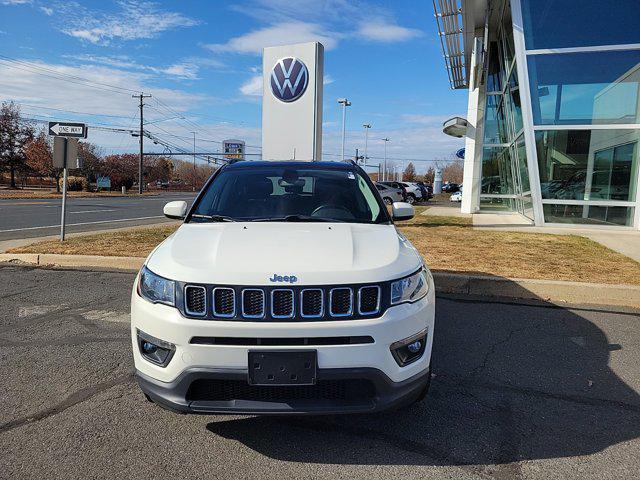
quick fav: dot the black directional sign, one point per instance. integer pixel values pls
(67, 129)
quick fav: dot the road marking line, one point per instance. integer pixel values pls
(82, 223)
(94, 211)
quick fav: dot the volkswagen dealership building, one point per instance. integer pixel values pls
(553, 122)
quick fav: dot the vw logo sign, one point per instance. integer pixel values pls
(289, 79)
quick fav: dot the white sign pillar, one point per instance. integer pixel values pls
(292, 102)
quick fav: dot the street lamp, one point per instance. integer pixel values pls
(384, 172)
(345, 103)
(366, 126)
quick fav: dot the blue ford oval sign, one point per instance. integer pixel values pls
(289, 79)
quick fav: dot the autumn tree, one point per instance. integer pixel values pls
(453, 171)
(409, 174)
(429, 175)
(191, 176)
(15, 134)
(122, 169)
(39, 158)
(158, 169)
(91, 158)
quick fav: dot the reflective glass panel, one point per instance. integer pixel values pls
(568, 23)
(494, 128)
(497, 176)
(585, 88)
(493, 71)
(589, 214)
(522, 163)
(588, 164)
(514, 103)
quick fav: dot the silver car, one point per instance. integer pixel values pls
(390, 194)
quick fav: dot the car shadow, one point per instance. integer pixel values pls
(511, 382)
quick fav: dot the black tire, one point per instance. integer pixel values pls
(388, 201)
(411, 198)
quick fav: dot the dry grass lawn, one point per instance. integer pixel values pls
(447, 243)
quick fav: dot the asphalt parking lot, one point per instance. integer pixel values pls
(519, 391)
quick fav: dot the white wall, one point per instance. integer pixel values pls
(293, 129)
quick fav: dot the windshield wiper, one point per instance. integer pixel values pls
(213, 218)
(295, 218)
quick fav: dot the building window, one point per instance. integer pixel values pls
(567, 23)
(588, 165)
(585, 88)
(497, 174)
(588, 214)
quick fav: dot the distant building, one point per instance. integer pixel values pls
(553, 123)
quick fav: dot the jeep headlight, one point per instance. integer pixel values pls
(411, 288)
(155, 288)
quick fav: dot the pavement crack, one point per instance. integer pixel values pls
(72, 400)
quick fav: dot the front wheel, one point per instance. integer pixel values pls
(388, 201)
(411, 199)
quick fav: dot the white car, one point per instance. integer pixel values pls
(286, 290)
(456, 197)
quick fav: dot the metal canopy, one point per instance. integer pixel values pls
(448, 15)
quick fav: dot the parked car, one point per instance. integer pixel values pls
(428, 187)
(399, 186)
(244, 310)
(450, 187)
(390, 194)
(456, 196)
(424, 193)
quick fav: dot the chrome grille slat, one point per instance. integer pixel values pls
(253, 303)
(311, 303)
(195, 300)
(224, 302)
(369, 300)
(341, 302)
(282, 303)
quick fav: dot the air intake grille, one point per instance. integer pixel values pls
(196, 300)
(224, 302)
(311, 303)
(282, 303)
(252, 303)
(369, 300)
(341, 302)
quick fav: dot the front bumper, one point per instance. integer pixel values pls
(384, 394)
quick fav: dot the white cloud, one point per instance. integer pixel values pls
(252, 87)
(185, 70)
(277, 34)
(16, 2)
(328, 79)
(426, 119)
(379, 30)
(135, 20)
(47, 11)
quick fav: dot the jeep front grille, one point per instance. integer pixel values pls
(294, 303)
(195, 300)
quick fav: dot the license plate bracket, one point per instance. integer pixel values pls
(280, 368)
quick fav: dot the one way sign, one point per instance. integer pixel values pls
(66, 129)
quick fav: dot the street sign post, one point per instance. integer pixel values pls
(68, 129)
(65, 156)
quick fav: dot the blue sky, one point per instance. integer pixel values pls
(201, 61)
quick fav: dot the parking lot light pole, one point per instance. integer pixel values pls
(345, 103)
(366, 126)
(384, 171)
(194, 161)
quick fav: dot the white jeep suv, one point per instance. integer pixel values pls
(287, 289)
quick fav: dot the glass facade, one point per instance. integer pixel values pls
(585, 108)
(584, 23)
(585, 88)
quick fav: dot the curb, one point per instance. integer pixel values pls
(448, 283)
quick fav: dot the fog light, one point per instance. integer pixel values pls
(155, 350)
(410, 349)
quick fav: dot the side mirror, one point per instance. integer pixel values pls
(176, 210)
(402, 211)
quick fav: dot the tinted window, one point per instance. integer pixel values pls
(585, 88)
(264, 193)
(568, 23)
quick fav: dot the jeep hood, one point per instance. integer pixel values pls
(246, 253)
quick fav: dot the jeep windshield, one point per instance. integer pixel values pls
(289, 193)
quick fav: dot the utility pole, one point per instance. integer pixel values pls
(194, 161)
(345, 103)
(142, 96)
(366, 126)
(384, 173)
